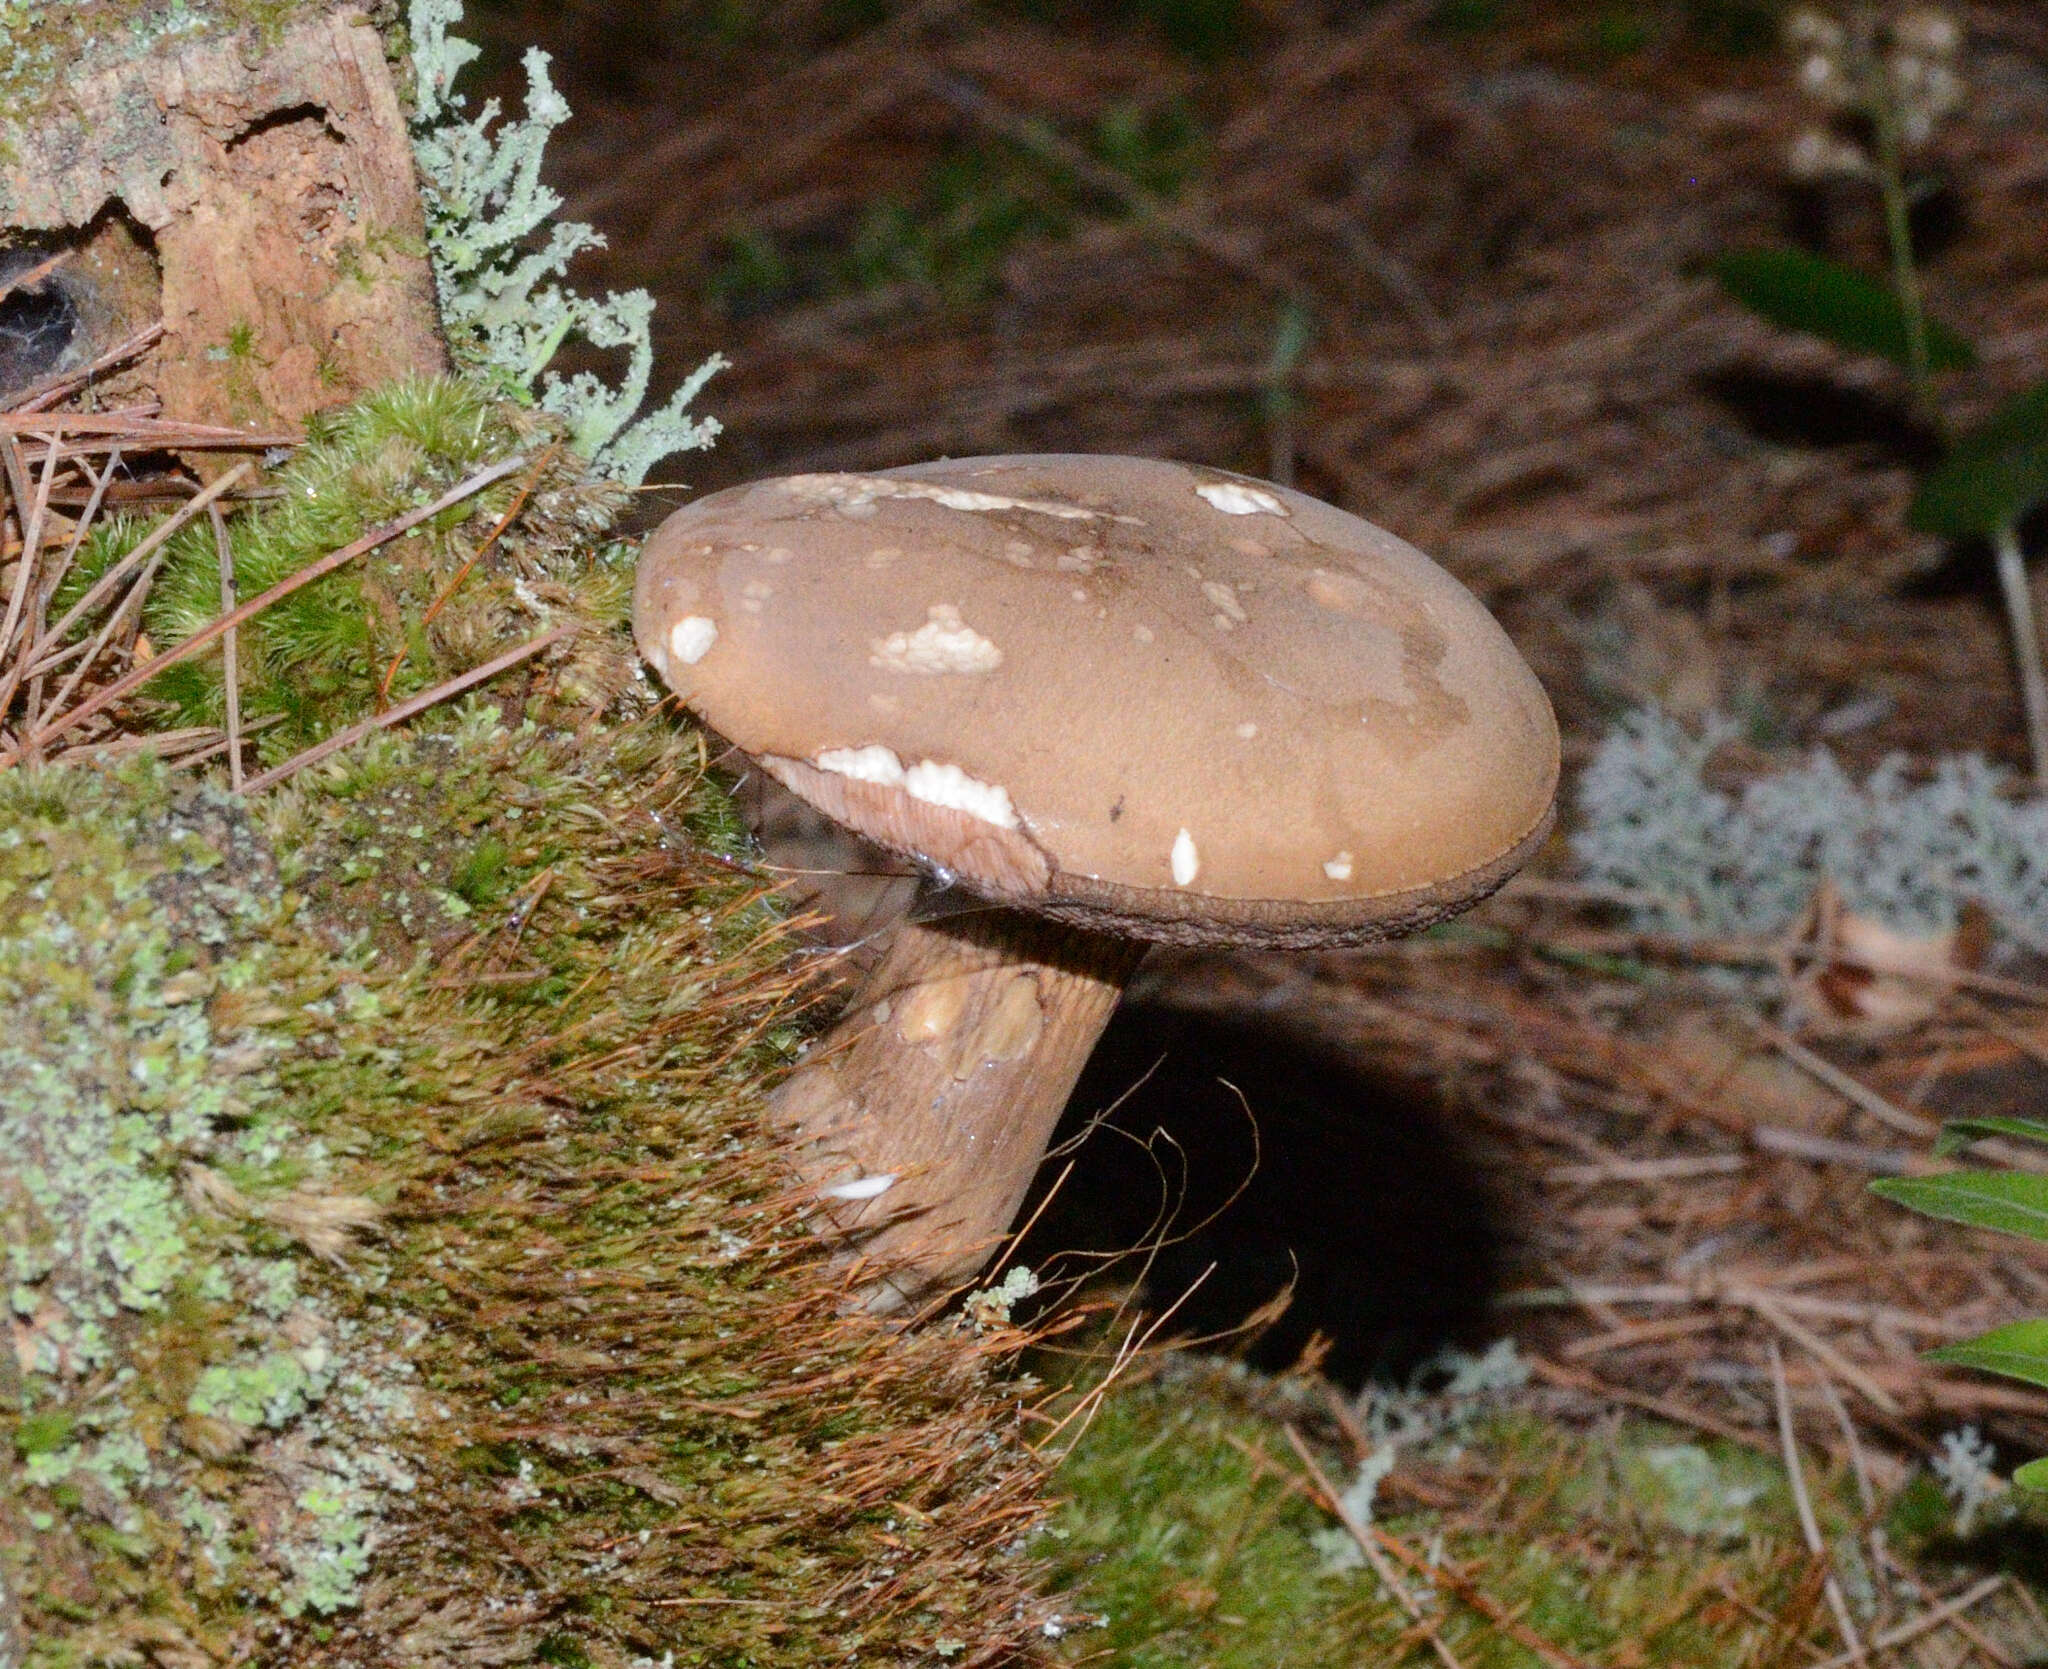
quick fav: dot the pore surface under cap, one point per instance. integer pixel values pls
(1125, 691)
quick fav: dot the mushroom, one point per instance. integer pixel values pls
(1117, 700)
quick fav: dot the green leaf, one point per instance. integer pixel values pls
(2013, 1202)
(1959, 1133)
(1994, 475)
(1798, 291)
(2033, 1475)
(2018, 1350)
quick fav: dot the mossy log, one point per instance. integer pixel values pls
(400, 1269)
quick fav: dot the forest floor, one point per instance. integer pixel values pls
(1447, 266)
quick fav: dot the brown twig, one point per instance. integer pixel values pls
(1926, 1623)
(25, 575)
(1473, 1595)
(1851, 1089)
(231, 670)
(406, 709)
(1802, 1503)
(548, 456)
(1363, 1536)
(158, 536)
(82, 527)
(48, 390)
(1667, 1408)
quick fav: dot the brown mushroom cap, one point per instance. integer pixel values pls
(1143, 696)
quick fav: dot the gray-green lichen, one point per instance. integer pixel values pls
(170, 1378)
(1906, 851)
(503, 311)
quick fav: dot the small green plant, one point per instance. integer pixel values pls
(2007, 1202)
(1887, 78)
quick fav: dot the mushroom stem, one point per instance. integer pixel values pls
(947, 1073)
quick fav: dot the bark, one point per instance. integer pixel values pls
(254, 197)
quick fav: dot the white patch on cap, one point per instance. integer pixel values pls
(860, 1188)
(855, 495)
(690, 638)
(1246, 731)
(874, 763)
(1221, 597)
(948, 785)
(927, 780)
(1339, 867)
(1142, 633)
(1187, 862)
(944, 643)
(1235, 498)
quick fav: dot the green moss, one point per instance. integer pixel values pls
(361, 638)
(1183, 1541)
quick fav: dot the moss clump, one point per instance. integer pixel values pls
(656, 1430)
(407, 1274)
(415, 611)
(171, 1380)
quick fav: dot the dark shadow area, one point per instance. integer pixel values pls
(1815, 411)
(38, 323)
(68, 297)
(1969, 569)
(1347, 1185)
(1825, 216)
(276, 119)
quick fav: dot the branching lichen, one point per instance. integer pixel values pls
(1698, 859)
(497, 252)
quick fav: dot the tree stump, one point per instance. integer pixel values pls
(247, 200)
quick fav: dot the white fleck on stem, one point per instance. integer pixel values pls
(2026, 645)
